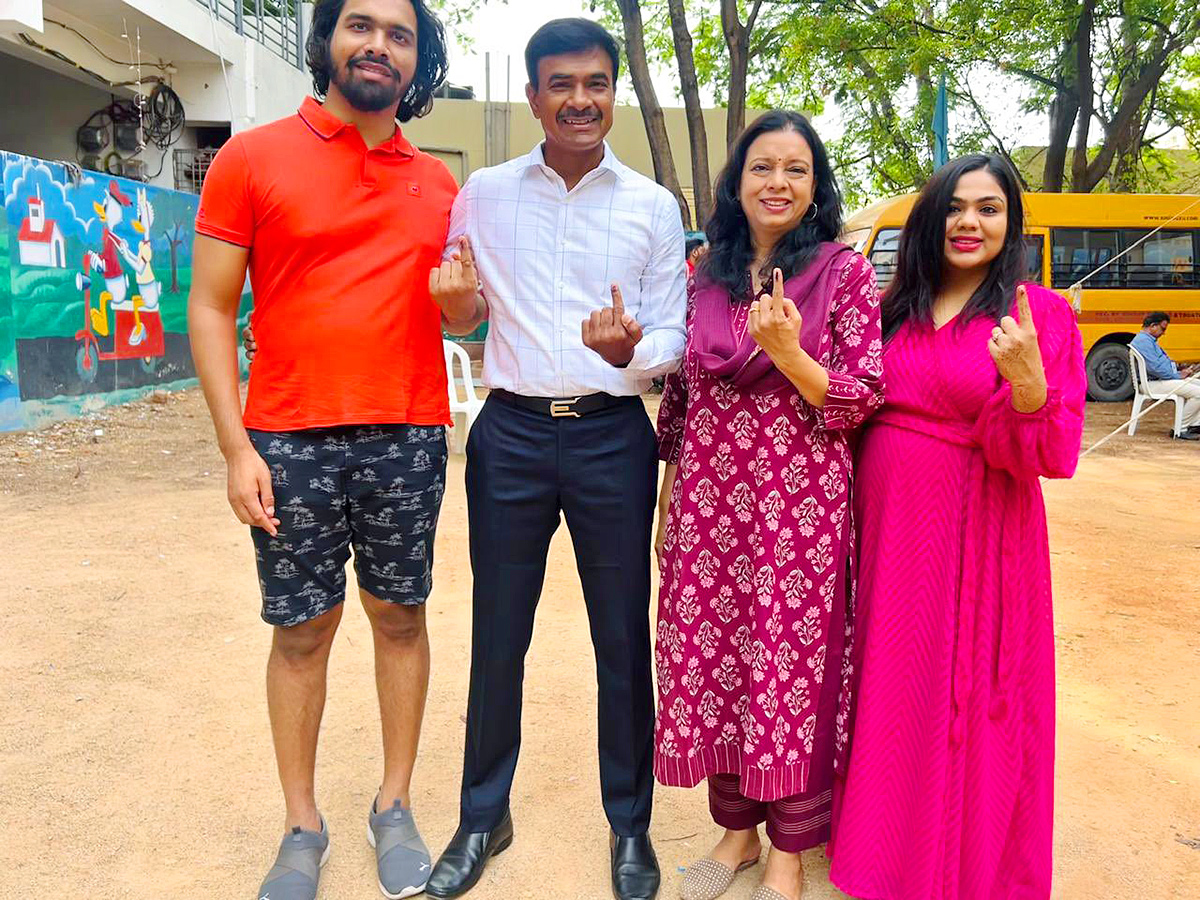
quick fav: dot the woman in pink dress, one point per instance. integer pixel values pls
(755, 530)
(948, 792)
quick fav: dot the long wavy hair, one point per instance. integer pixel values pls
(920, 260)
(433, 63)
(731, 251)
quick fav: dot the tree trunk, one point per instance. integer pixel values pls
(1124, 176)
(1128, 115)
(737, 39)
(1064, 109)
(652, 114)
(697, 133)
(174, 262)
(1083, 82)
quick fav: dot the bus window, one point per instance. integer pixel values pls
(1080, 251)
(1166, 259)
(883, 255)
(1033, 257)
(857, 238)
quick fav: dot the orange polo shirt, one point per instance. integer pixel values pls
(341, 242)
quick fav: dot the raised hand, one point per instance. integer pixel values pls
(612, 332)
(774, 322)
(1018, 356)
(454, 285)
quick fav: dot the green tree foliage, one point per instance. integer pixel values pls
(1121, 73)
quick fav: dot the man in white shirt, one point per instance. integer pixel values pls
(580, 266)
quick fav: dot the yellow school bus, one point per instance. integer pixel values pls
(1068, 236)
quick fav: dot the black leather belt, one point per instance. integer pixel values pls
(560, 407)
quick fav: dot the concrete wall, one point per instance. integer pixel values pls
(63, 347)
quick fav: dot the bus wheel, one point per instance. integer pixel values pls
(1108, 374)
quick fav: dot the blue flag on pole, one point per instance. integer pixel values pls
(941, 127)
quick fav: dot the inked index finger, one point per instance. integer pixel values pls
(1024, 313)
(466, 254)
(618, 302)
(777, 289)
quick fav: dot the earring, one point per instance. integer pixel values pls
(814, 209)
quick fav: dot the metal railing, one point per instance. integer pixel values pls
(276, 24)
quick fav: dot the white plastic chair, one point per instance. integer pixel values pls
(468, 404)
(1142, 391)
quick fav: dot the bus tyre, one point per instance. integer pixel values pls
(1108, 375)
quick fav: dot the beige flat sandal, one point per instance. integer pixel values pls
(707, 879)
(762, 892)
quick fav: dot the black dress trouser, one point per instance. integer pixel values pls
(600, 471)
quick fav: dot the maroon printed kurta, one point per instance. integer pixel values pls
(755, 602)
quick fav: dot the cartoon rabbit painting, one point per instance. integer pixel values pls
(148, 287)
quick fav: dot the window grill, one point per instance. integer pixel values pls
(190, 168)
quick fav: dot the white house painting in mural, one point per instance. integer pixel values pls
(40, 241)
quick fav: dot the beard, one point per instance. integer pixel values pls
(368, 96)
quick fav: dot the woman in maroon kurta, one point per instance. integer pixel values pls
(948, 794)
(754, 604)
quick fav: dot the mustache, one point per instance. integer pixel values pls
(359, 60)
(579, 114)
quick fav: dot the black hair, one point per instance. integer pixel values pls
(1155, 318)
(921, 255)
(559, 36)
(731, 251)
(691, 244)
(433, 63)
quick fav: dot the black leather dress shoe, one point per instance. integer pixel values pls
(635, 873)
(462, 862)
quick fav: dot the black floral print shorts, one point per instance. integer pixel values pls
(376, 488)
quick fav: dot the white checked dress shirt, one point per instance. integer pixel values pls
(546, 257)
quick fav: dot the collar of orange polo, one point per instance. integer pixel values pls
(329, 126)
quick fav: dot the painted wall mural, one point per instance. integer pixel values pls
(94, 278)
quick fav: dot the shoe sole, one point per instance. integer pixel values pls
(500, 848)
(404, 892)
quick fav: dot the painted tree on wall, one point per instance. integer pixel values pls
(174, 214)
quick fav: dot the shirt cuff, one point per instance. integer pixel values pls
(650, 361)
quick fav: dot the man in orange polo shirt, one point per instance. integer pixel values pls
(340, 221)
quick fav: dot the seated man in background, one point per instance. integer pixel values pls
(1170, 377)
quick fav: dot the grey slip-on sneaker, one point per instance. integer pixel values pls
(400, 854)
(297, 868)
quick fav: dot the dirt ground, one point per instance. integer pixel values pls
(135, 755)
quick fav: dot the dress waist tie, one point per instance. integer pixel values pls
(974, 522)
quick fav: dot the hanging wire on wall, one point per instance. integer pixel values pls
(129, 126)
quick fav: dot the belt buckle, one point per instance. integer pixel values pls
(561, 409)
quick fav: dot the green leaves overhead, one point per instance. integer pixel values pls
(879, 62)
